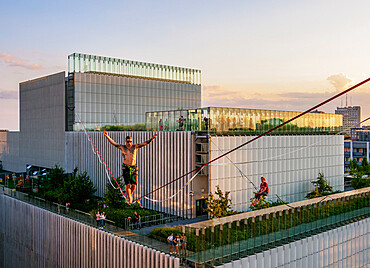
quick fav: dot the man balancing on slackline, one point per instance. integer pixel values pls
(129, 168)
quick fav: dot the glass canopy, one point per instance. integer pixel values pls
(83, 63)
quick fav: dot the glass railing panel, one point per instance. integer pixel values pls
(239, 238)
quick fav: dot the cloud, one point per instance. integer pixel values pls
(339, 81)
(8, 94)
(15, 61)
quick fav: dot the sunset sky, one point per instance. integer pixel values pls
(284, 55)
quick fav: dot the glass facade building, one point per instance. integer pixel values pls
(243, 121)
(109, 91)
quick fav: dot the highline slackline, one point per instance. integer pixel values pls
(100, 157)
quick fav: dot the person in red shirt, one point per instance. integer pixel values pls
(264, 190)
(98, 219)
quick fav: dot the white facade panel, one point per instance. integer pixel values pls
(289, 164)
(168, 157)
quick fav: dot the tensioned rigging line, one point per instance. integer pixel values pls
(243, 174)
(240, 171)
(261, 135)
(172, 196)
(94, 152)
(100, 155)
(294, 151)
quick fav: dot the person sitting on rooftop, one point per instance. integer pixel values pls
(264, 190)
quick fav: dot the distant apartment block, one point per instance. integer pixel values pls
(363, 134)
(358, 148)
(351, 117)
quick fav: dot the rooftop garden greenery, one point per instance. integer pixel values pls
(135, 127)
(360, 173)
(77, 189)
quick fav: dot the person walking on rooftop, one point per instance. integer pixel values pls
(170, 243)
(160, 124)
(102, 219)
(183, 243)
(98, 218)
(181, 123)
(137, 220)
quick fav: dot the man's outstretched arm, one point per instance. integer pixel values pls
(110, 139)
(147, 142)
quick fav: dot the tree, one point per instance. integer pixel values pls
(353, 166)
(360, 173)
(57, 176)
(75, 188)
(81, 187)
(359, 181)
(113, 196)
(218, 207)
(322, 187)
(365, 166)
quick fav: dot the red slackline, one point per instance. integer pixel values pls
(101, 157)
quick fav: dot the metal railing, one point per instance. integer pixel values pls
(151, 220)
(129, 224)
(223, 240)
(88, 219)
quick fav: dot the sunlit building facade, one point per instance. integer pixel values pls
(243, 121)
(106, 91)
(111, 91)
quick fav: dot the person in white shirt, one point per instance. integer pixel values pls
(170, 243)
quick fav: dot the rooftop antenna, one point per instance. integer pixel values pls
(341, 102)
(346, 100)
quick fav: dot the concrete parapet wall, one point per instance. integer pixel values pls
(33, 237)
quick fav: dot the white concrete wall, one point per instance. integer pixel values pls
(33, 237)
(168, 157)
(284, 161)
(347, 246)
(41, 139)
(42, 124)
(9, 152)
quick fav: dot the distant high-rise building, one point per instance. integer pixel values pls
(351, 116)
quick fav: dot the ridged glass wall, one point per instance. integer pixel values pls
(117, 100)
(243, 121)
(83, 63)
(224, 240)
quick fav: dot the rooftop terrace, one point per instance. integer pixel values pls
(217, 241)
(234, 121)
(223, 240)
